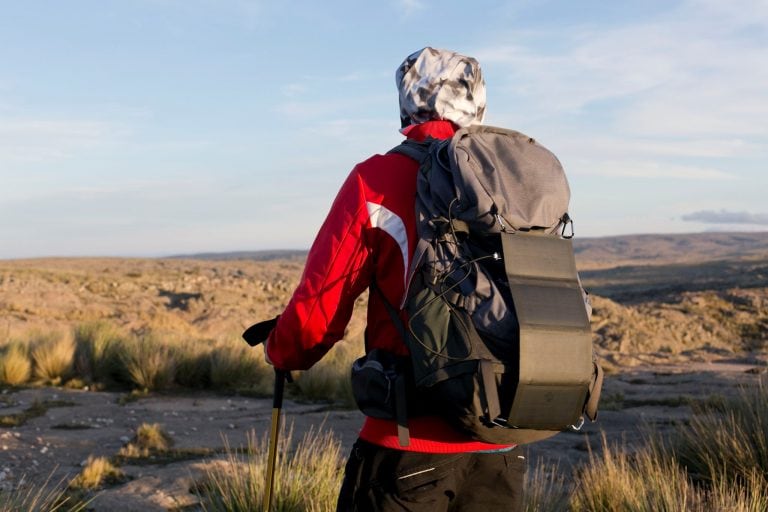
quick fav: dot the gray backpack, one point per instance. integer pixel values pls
(498, 327)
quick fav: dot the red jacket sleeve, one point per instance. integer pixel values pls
(337, 271)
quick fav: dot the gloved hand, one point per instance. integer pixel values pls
(258, 333)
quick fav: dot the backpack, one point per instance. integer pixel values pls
(498, 323)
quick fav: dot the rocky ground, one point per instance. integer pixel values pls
(677, 320)
(73, 424)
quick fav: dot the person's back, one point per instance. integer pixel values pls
(368, 238)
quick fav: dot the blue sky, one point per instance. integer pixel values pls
(155, 127)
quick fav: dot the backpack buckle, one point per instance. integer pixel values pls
(576, 428)
(504, 228)
(501, 422)
(566, 221)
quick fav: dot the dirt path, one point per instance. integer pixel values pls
(75, 424)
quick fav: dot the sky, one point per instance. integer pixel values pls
(159, 127)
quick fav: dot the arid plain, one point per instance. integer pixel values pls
(678, 320)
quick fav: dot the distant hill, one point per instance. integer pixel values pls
(592, 253)
(633, 268)
(598, 253)
(640, 268)
(269, 255)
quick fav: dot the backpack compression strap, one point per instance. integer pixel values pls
(401, 404)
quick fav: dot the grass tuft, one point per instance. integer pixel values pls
(98, 471)
(618, 480)
(148, 362)
(329, 379)
(15, 366)
(150, 439)
(97, 351)
(545, 488)
(235, 365)
(53, 355)
(728, 441)
(307, 479)
(40, 498)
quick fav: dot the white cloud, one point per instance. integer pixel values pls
(679, 96)
(692, 72)
(727, 217)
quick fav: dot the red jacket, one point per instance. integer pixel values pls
(369, 234)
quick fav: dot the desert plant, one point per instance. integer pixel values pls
(150, 439)
(619, 480)
(308, 479)
(97, 472)
(53, 355)
(545, 488)
(330, 379)
(148, 362)
(43, 497)
(750, 495)
(15, 366)
(235, 365)
(193, 364)
(728, 442)
(97, 356)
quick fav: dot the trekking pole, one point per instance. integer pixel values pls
(255, 335)
(277, 404)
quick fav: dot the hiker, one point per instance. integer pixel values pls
(369, 237)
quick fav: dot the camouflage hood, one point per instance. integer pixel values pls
(440, 84)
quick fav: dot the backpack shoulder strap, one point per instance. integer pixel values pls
(419, 151)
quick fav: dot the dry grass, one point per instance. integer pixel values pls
(53, 355)
(148, 362)
(98, 471)
(717, 462)
(329, 379)
(97, 356)
(44, 497)
(15, 366)
(307, 478)
(728, 441)
(545, 488)
(619, 480)
(193, 364)
(150, 439)
(235, 365)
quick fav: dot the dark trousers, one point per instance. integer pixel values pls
(380, 479)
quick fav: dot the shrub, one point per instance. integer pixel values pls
(193, 364)
(40, 498)
(620, 481)
(149, 439)
(545, 488)
(330, 379)
(235, 365)
(15, 367)
(148, 362)
(306, 480)
(728, 441)
(53, 355)
(97, 472)
(97, 356)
